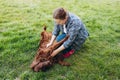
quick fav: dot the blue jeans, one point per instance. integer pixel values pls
(59, 38)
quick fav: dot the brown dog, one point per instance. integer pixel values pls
(43, 60)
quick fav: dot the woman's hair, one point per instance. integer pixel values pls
(59, 13)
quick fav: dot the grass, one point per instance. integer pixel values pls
(21, 22)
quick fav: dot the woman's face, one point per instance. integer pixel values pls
(61, 22)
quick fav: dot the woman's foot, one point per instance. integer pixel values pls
(68, 54)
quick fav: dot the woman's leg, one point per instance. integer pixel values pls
(60, 37)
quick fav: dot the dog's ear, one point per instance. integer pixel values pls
(44, 27)
(42, 35)
(39, 54)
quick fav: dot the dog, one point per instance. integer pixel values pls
(43, 60)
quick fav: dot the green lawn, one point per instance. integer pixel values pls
(21, 23)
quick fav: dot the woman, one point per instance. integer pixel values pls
(68, 24)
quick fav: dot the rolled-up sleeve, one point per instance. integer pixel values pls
(73, 32)
(56, 30)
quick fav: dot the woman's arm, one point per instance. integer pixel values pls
(54, 34)
(51, 41)
(55, 52)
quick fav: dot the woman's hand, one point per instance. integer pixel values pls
(55, 52)
(51, 41)
(49, 44)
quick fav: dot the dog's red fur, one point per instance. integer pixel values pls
(43, 58)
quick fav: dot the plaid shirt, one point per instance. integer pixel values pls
(76, 29)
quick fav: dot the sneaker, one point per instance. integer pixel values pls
(68, 54)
